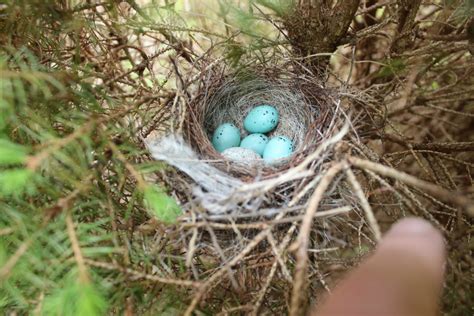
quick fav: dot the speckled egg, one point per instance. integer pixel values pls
(243, 156)
(226, 136)
(278, 147)
(256, 142)
(261, 119)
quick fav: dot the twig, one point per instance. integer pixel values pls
(279, 259)
(141, 275)
(266, 224)
(192, 243)
(374, 7)
(445, 195)
(441, 147)
(6, 231)
(299, 286)
(83, 274)
(10, 264)
(369, 214)
(35, 161)
(431, 152)
(442, 37)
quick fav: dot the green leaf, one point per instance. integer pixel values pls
(16, 182)
(11, 153)
(393, 67)
(164, 207)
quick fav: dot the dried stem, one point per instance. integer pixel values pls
(447, 196)
(83, 274)
(301, 245)
(365, 204)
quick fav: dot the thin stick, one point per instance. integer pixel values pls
(10, 264)
(263, 225)
(141, 275)
(192, 243)
(278, 257)
(299, 287)
(442, 194)
(369, 214)
(83, 274)
(262, 293)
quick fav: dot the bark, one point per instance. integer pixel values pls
(407, 10)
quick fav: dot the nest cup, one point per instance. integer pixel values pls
(301, 103)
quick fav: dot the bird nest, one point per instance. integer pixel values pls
(310, 115)
(303, 105)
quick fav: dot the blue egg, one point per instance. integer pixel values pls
(278, 147)
(226, 136)
(261, 119)
(256, 142)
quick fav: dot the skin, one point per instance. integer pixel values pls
(403, 277)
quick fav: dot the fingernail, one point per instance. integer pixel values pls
(413, 225)
(417, 237)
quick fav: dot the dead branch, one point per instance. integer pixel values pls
(447, 196)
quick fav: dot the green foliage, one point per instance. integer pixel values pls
(16, 182)
(280, 7)
(11, 154)
(392, 68)
(248, 18)
(162, 206)
(56, 111)
(465, 11)
(75, 298)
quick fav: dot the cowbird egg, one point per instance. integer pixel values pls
(255, 142)
(261, 119)
(226, 136)
(278, 147)
(242, 156)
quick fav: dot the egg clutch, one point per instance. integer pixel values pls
(260, 120)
